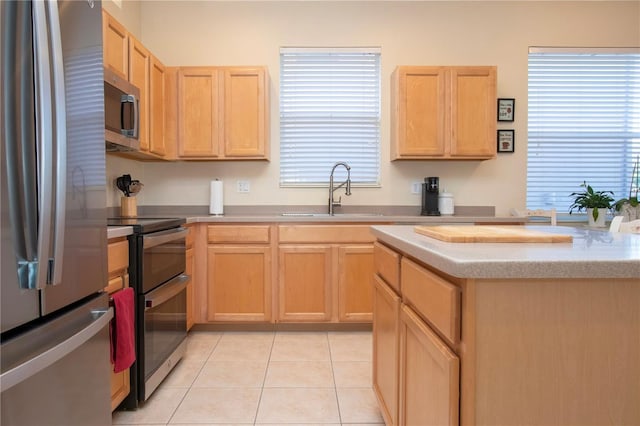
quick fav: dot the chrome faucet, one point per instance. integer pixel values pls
(347, 182)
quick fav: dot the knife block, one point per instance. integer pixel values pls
(128, 207)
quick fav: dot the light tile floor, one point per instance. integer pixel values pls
(265, 378)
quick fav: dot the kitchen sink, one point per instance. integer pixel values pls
(300, 214)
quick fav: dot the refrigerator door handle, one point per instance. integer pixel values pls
(18, 109)
(99, 320)
(44, 124)
(60, 143)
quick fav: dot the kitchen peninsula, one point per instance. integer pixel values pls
(507, 333)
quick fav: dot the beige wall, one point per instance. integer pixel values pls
(409, 33)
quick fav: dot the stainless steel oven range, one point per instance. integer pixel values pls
(156, 272)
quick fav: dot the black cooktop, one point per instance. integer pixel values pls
(144, 225)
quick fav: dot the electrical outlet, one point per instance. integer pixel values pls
(243, 186)
(416, 187)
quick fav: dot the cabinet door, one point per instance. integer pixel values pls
(198, 113)
(157, 107)
(115, 46)
(189, 268)
(429, 375)
(418, 112)
(355, 292)
(305, 277)
(245, 112)
(239, 283)
(473, 112)
(139, 64)
(386, 345)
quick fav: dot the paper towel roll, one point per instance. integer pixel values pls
(216, 200)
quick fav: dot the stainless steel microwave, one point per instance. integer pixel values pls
(121, 113)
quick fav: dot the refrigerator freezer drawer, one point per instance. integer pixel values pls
(62, 378)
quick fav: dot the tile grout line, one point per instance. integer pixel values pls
(333, 374)
(194, 379)
(264, 379)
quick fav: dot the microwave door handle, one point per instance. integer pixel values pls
(129, 99)
(44, 123)
(60, 115)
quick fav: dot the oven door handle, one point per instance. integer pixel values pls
(166, 291)
(162, 237)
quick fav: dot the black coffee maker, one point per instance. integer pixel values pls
(430, 189)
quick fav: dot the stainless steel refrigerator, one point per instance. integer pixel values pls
(54, 350)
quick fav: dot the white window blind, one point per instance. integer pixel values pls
(584, 122)
(329, 112)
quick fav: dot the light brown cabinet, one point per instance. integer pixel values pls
(139, 66)
(305, 283)
(239, 273)
(443, 112)
(222, 113)
(115, 45)
(355, 292)
(429, 375)
(129, 58)
(198, 113)
(325, 273)
(386, 347)
(416, 375)
(465, 345)
(190, 270)
(118, 266)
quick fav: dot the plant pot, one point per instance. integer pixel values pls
(600, 222)
(629, 212)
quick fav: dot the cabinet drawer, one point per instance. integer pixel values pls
(114, 284)
(387, 263)
(325, 234)
(118, 255)
(433, 297)
(238, 234)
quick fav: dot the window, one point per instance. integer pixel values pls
(584, 122)
(329, 112)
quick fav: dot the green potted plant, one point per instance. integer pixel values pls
(592, 201)
(629, 207)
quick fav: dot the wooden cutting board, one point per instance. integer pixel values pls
(490, 234)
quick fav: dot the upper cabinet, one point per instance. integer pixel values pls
(443, 113)
(130, 59)
(222, 113)
(198, 112)
(115, 45)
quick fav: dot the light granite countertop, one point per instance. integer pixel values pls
(592, 254)
(118, 231)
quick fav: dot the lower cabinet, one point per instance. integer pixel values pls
(305, 283)
(416, 375)
(355, 292)
(118, 265)
(386, 345)
(239, 272)
(429, 375)
(325, 273)
(239, 283)
(281, 272)
(190, 269)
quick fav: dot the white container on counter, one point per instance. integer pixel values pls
(445, 203)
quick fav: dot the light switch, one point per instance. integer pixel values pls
(243, 186)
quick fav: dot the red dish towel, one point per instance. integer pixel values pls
(123, 342)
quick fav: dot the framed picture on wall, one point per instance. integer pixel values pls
(506, 109)
(506, 140)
